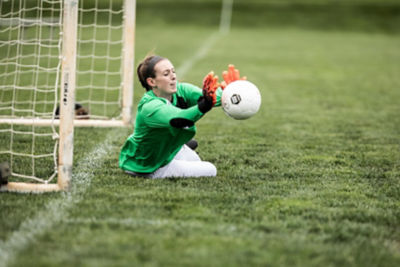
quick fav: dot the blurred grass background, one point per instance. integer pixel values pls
(355, 15)
(352, 15)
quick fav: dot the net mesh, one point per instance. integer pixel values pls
(30, 64)
(99, 58)
(30, 46)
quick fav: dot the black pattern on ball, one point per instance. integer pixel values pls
(235, 99)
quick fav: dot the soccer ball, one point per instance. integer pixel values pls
(241, 100)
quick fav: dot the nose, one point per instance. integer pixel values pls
(173, 77)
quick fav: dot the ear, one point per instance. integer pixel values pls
(150, 81)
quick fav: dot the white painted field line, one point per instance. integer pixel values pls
(54, 211)
(226, 16)
(201, 53)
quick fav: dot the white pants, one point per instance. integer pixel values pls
(185, 164)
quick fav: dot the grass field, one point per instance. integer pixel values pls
(311, 180)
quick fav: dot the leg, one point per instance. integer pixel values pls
(187, 154)
(182, 168)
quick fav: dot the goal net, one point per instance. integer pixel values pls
(62, 63)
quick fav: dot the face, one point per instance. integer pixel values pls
(165, 80)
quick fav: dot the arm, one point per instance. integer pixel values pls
(192, 93)
(160, 114)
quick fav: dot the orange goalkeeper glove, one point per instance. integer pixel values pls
(209, 98)
(231, 75)
(210, 86)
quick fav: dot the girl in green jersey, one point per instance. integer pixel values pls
(165, 122)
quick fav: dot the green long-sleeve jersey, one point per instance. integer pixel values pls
(162, 128)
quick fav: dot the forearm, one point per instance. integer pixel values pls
(166, 115)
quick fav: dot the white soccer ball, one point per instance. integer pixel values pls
(241, 100)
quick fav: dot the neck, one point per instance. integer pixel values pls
(163, 95)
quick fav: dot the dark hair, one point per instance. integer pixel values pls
(146, 70)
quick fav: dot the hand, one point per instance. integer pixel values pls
(210, 86)
(209, 98)
(231, 75)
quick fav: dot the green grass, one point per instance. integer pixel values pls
(311, 180)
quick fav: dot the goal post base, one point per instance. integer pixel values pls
(29, 187)
(78, 123)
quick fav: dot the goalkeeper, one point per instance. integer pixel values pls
(165, 122)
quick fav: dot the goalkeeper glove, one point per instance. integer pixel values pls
(209, 98)
(231, 75)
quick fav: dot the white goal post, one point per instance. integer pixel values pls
(60, 53)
